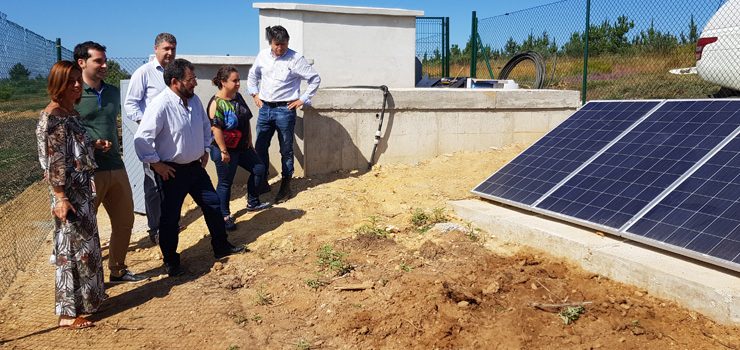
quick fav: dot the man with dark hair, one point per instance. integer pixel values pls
(174, 138)
(274, 81)
(98, 108)
(145, 84)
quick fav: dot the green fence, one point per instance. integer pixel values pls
(627, 53)
(433, 46)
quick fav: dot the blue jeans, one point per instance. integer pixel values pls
(189, 179)
(249, 161)
(270, 119)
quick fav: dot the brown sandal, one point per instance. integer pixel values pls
(79, 323)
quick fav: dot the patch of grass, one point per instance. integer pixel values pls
(233, 347)
(239, 319)
(333, 260)
(423, 220)
(405, 268)
(571, 313)
(303, 345)
(372, 228)
(257, 318)
(473, 232)
(315, 283)
(263, 297)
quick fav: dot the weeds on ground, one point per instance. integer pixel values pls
(571, 313)
(263, 297)
(473, 232)
(315, 283)
(239, 319)
(257, 318)
(303, 345)
(423, 221)
(405, 268)
(233, 347)
(333, 260)
(371, 228)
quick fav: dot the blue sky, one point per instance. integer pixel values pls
(216, 27)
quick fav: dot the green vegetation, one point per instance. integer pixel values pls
(423, 220)
(333, 260)
(371, 228)
(571, 313)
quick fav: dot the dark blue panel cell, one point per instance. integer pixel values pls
(646, 161)
(551, 159)
(702, 214)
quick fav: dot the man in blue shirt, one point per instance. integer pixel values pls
(174, 138)
(274, 81)
(145, 84)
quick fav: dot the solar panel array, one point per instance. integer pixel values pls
(662, 173)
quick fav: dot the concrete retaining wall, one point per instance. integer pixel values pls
(337, 132)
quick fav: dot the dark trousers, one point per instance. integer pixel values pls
(152, 197)
(249, 161)
(281, 119)
(189, 179)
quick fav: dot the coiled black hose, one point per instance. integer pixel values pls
(539, 65)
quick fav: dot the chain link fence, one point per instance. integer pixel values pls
(630, 49)
(432, 47)
(25, 213)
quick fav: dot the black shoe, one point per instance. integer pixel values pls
(228, 250)
(258, 207)
(154, 236)
(284, 193)
(127, 277)
(175, 270)
(230, 224)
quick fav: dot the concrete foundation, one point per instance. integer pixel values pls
(706, 289)
(338, 131)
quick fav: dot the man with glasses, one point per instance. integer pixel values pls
(145, 84)
(174, 138)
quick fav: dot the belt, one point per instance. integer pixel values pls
(276, 103)
(178, 165)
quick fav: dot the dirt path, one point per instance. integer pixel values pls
(447, 287)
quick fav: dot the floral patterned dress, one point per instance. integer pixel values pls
(66, 154)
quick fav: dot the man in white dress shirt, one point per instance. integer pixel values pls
(274, 81)
(174, 138)
(145, 84)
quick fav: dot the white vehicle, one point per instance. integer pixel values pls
(718, 49)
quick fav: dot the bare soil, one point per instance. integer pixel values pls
(388, 285)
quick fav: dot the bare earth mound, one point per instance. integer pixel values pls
(355, 261)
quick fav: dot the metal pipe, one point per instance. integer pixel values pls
(584, 88)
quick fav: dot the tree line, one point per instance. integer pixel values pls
(603, 39)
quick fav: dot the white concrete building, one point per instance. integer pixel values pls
(349, 45)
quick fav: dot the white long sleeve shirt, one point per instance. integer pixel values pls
(145, 84)
(278, 79)
(171, 132)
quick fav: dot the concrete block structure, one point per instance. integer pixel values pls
(349, 45)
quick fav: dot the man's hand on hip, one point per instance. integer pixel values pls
(295, 104)
(204, 160)
(164, 170)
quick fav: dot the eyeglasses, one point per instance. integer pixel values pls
(189, 81)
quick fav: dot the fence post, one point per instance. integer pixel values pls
(446, 47)
(584, 88)
(473, 45)
(59, 49)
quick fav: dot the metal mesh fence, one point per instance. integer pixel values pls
(25, 215)
(432, 46)
(20, 45)
(632, 47)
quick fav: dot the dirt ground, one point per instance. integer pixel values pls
(350, 263)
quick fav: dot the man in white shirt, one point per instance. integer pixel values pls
(274, 81)
(174, 138)
(145, 84)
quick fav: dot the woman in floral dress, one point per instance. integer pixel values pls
(66, 154)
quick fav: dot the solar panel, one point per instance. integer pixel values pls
(702, 214)
(627, 176)
(551, 159)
